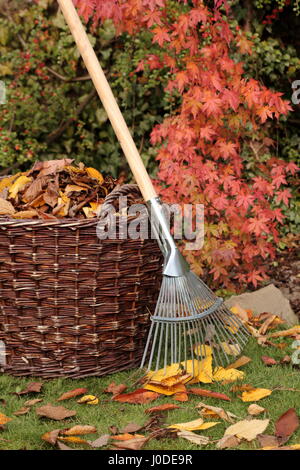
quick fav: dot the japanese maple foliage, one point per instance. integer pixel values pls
(206, 147)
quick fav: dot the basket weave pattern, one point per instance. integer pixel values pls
(73, 305)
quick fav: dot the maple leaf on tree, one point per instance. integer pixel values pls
(264, 112)
(207, 132)
(161, 35)
(227, 149)
(283, 196)
(212, 105)
(244, 200)
(257, 226)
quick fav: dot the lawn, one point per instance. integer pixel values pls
(24, 432)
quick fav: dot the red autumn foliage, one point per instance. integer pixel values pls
(215, 149)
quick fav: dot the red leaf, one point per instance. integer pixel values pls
(286, 425)
(165, 407)
(209, 393)
(72, 393)
(269, 361)
(139, 396)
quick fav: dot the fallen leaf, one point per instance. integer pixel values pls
(6, 208)
(230, 375)
(231, 349)
(181, 396)
(201, 371)
(72, 393)
(125, 437)
(285, 360)
(115, 389)
(4, 419)
(247, 429)
(89, 400)
(165, 390)
(132, 444)
(208, 393)
(79, 430)
(93, 173)
(175, 380)
(215, 412)
(32, 387)
(255, 410)
(240, 362)
(256, 394)
(203, 350)
(242, 388)
(30, 214)
(164, 373)
(22, 411)
(54, 412)
(265, 440)
(195, 425)
(7, 181)
(33, 402)
(73, 439)
(113, 429)
(100, 442)
(290, 332)
(240, 312)
(131, 427)
(269, 361)
(266, 325)
(194, 438)
(165, 407)
(286, 425)
(228, 442)
(139, 396)
(63, 446)
(51, 436)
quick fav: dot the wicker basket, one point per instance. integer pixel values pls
(72, 305)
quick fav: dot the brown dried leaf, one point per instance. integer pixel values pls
(265, 440)
(165, 407)
(33, 190)
(33, 402)
(266, 325)
(32, 387)
(139, 396)
(63, 446)
(51, 436)
(30, 214)
(181, 396)
(194, 438)
(255, 409)
(216, 412)
(228, 442)
(131, 427)
(72, 393)
(269, 361)
(79, 430)
(115, 389)
(132, 444)
(50, 166)
(285, 360)
(54, 412)
(100, 442)
(240, 362)
(290, 332)
(247, 429)
(6, 208)
(286, 425)
(22, 411)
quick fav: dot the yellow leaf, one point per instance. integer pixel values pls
(201, 371)
(256, 394)
(255, 410)
(93, 173)
(74, 439)
(241, 361)
(88, 212)
(6, 182)
(240, 312)
(207, 425)
(203, 350)
(229, 375)
(19, 184)
(189, 426)
(175, 380)
(290, 332)
(247, 429)
(89, 399)
(231, 349)
(164, 373)
(70, 188)
(4, 419)
(165, 390)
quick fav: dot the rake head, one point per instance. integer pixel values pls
(187, 317)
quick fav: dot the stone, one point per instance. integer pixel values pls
(267, 299)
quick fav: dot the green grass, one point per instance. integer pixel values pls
(24, 432)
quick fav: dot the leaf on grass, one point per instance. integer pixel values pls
(256, 394)
(228, 442)
(54, 412)
(195, 425)
(139, 396)
(22, 411)
(4, 419)
(194, 438)
(125, 437)
(208, 393)
(33, 402)
(115, 389)
(51, 436)
(285, 360)
(73, 439)
(295, 330)
(132, 444)
(203, 350)
(240, 362)
(286, 425)
(215, 412)
(247, 429)
(164, 373)
(100, 442)
(32, 387)
(6, 208)
(231, 349)
(266, 325)
(255, 410)
(265, 440)
(89, 400)
(201, 371)
(63, 446)
(165, 390)
(269, 361)
(72, 393)
(79, 430)
(181, 396)
(131, 427)
(165, 407)
(242, 388)
(230, 375)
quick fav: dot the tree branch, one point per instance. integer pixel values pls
(67, 79)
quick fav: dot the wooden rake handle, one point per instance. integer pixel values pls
(108, 100)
